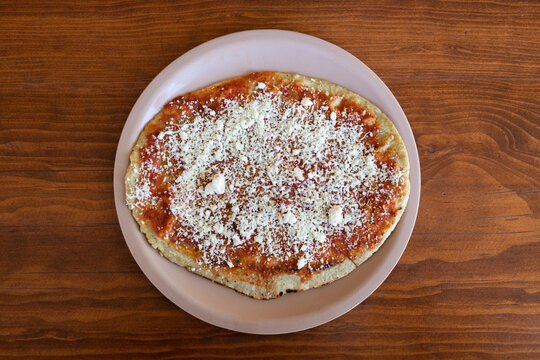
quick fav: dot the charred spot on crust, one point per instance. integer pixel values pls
(326, 266)
(281, 293)
(291, 291)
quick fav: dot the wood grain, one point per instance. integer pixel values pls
(467, 75)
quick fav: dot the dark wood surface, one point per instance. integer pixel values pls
(466, 74)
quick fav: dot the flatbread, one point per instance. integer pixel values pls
(268, 183)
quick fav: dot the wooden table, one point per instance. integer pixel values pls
(466, 74)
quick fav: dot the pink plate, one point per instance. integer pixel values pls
(239, 54)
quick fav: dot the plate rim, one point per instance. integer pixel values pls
(208, 316)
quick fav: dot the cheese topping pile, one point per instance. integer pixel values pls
(278, 175)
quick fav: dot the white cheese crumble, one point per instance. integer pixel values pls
(306, 102)
(289, 218)
(286, 165)
(335, 215)
(217, 185)
(298, 174)
(319, 236)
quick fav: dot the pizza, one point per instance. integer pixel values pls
(268, 183)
